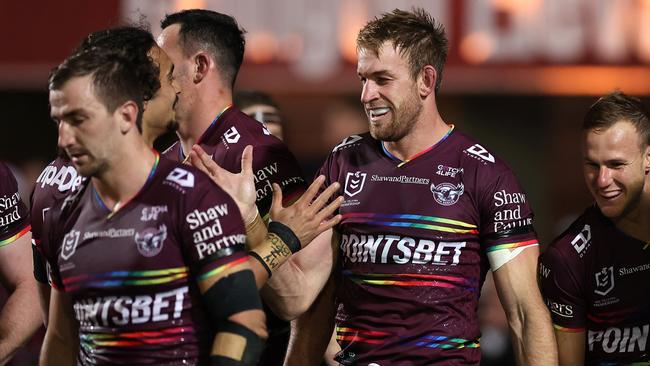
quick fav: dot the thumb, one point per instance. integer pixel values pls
(276, 203)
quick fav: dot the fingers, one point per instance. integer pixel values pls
(311, 192)
(276, 203)
(326, 225)
(200, 158)
(330, 209)
(324, 197)
(247, 160)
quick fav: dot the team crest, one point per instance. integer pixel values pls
(604, 281)
(354, 183)
(70, 241)
(150, 240)
(447, 194)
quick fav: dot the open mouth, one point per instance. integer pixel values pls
(376, 113)
(610, 195)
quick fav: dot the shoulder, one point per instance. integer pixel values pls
(184, 182)
(571, 247)
(476, 157)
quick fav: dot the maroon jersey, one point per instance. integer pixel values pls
(14, 218)
(225, 141)
(132, 274)
(417, 238)
(596, 279)
(56, 181)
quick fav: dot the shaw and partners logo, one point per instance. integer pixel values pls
(70, 241)
(447, 194)
(354, 183)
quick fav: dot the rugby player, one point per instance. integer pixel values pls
(60, 178)
(18, 317)
(428, 211)
(596, 276)
(148, 256)
(207, 49)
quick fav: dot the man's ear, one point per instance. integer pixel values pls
(127, 115)
(201, 66)
(427, 81)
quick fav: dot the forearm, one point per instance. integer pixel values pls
(533, 338)
(308, 342)
(58, 350)
(19, 319)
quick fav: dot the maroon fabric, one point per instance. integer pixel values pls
(132, 275)
(596, 279)
(14, 217)
(414, 239)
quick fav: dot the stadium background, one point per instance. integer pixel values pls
(519, 77)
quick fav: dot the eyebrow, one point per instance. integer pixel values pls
(377, 73)
(67, 114)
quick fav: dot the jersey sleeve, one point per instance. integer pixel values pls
(14, 217)
(212, 232)
(276, 164)
(506, 227)
(562, 290)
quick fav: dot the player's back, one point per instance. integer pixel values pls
(132, 273)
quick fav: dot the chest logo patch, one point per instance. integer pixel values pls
(150, 240)
(354, 183)
(447, 194)
(604, 281)
(70, 241)
(232, 136)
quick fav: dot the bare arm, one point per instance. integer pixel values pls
(61, 343)
(529, 321)
(296, 284)
(571, 348)
(20, 317)
(311, 332)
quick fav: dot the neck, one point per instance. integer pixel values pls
(637, 223)
(127, 173)
(427, 131)
(205, 109)
(149, 135)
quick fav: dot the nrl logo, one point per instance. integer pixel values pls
(70, 241)
(604, 281)
(150, 240)
(447, 194)
(354, 183)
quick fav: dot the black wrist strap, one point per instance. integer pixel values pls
(286, 234)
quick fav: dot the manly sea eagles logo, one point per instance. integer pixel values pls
(604, 281)
(447, 194)
(150, 240)
(70, 241)
(354, 183)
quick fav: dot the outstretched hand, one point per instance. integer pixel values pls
(310, 215)
(240, 186)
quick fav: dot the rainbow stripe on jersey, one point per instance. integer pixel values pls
(347, 334)
(135, 339)
(11, 239)
(411, 280)
(125, 278)
(400, 220)
(515, 245)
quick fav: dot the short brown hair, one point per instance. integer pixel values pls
(616, 107)
(415, 34)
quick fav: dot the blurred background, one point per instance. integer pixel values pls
(519, 77)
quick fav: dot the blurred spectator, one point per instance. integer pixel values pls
(263, 108)
(342, 119)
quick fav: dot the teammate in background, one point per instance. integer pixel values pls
(18, 317)
(263, 108)
(596, 275)
(428, 211)
(207, 49)
(60, 178)
(126, 241)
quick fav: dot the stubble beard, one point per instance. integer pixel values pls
(402, 120)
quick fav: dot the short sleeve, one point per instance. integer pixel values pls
(562, 290)
(276, 164)
(506, 219)
(14, 217)
(212, 231)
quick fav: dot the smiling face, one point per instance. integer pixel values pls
(615, 168)
(389, 94)
(87, 130)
